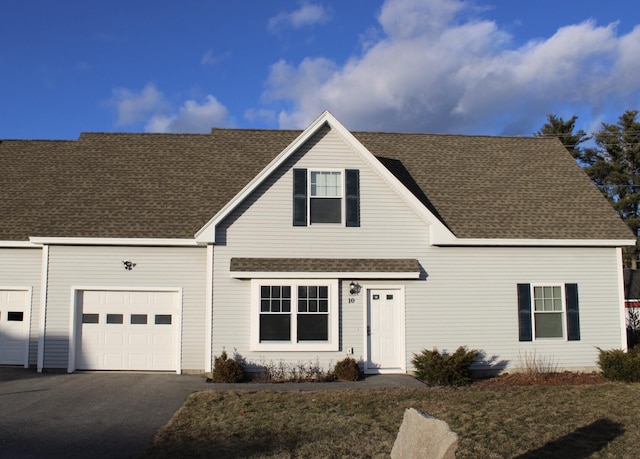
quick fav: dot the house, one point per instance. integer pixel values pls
(157, 251)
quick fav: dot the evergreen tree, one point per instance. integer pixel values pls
(563, 130)
(614, 166)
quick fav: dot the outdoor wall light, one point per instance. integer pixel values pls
(128, 264)
(354, 288)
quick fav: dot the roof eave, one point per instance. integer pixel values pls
(441, 240)
(157, 242)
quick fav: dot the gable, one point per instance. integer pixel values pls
(340, 150)
(267, 212)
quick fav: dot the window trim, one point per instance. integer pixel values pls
(562, 313)
(342, 196)
(334, 309)
(350, 198)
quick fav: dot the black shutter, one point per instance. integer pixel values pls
(352, 195)
(573, 315)
(524, 312)
(299, 197)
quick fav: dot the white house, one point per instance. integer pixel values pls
(158, 251)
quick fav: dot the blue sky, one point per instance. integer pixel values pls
(441, 66)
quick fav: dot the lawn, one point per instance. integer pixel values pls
(581, 421)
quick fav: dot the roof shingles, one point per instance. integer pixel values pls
(169, 185)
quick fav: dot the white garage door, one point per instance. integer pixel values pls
(127, 330)
(14, 327)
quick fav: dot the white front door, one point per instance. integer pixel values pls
(127, 330)
(385, 331)
(14, 327)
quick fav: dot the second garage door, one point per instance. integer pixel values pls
(127, 330)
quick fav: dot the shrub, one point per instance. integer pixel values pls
(347, 370)
(282, 371)
(535, 366)
(226, 370)
(618, 365)
(445, 369)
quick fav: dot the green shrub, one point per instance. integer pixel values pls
(226, 370)
(445, 369)
(618, 365)
(347, 370)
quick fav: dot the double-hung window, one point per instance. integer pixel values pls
(326, 197)
(548, 311)
(299, 314)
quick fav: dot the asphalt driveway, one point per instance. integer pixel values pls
(95, 415)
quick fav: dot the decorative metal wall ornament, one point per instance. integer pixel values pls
(128, 264)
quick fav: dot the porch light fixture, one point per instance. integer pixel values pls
(354, 288)
(128, 264)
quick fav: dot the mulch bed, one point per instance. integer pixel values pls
(565, 378)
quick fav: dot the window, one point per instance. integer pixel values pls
(294, 315)
(15, 316)
(162, 319)
(90, 318)
(548, 311)
(115, 318)
(326, 197)
(138, 319)
(313, 313)
(275, 313)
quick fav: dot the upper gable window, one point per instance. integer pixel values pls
(326, 197)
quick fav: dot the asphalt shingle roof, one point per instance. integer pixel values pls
(399, 265)
(169, 185)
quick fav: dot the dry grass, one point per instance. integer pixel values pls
(583, 421)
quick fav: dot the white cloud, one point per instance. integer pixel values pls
(150, 107)
(133, 107)
(436, 67)
(307, 14)
(191, 117)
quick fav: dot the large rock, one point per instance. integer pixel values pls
(425, 437)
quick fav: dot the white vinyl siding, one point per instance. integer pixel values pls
(467, 296)
(21, 268)
(470, 298)
(95, 267)
(261, 227)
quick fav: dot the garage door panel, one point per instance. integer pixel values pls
(114, 360)
(114, 339)
(139, 340)
(139, 361)
(128, 335)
